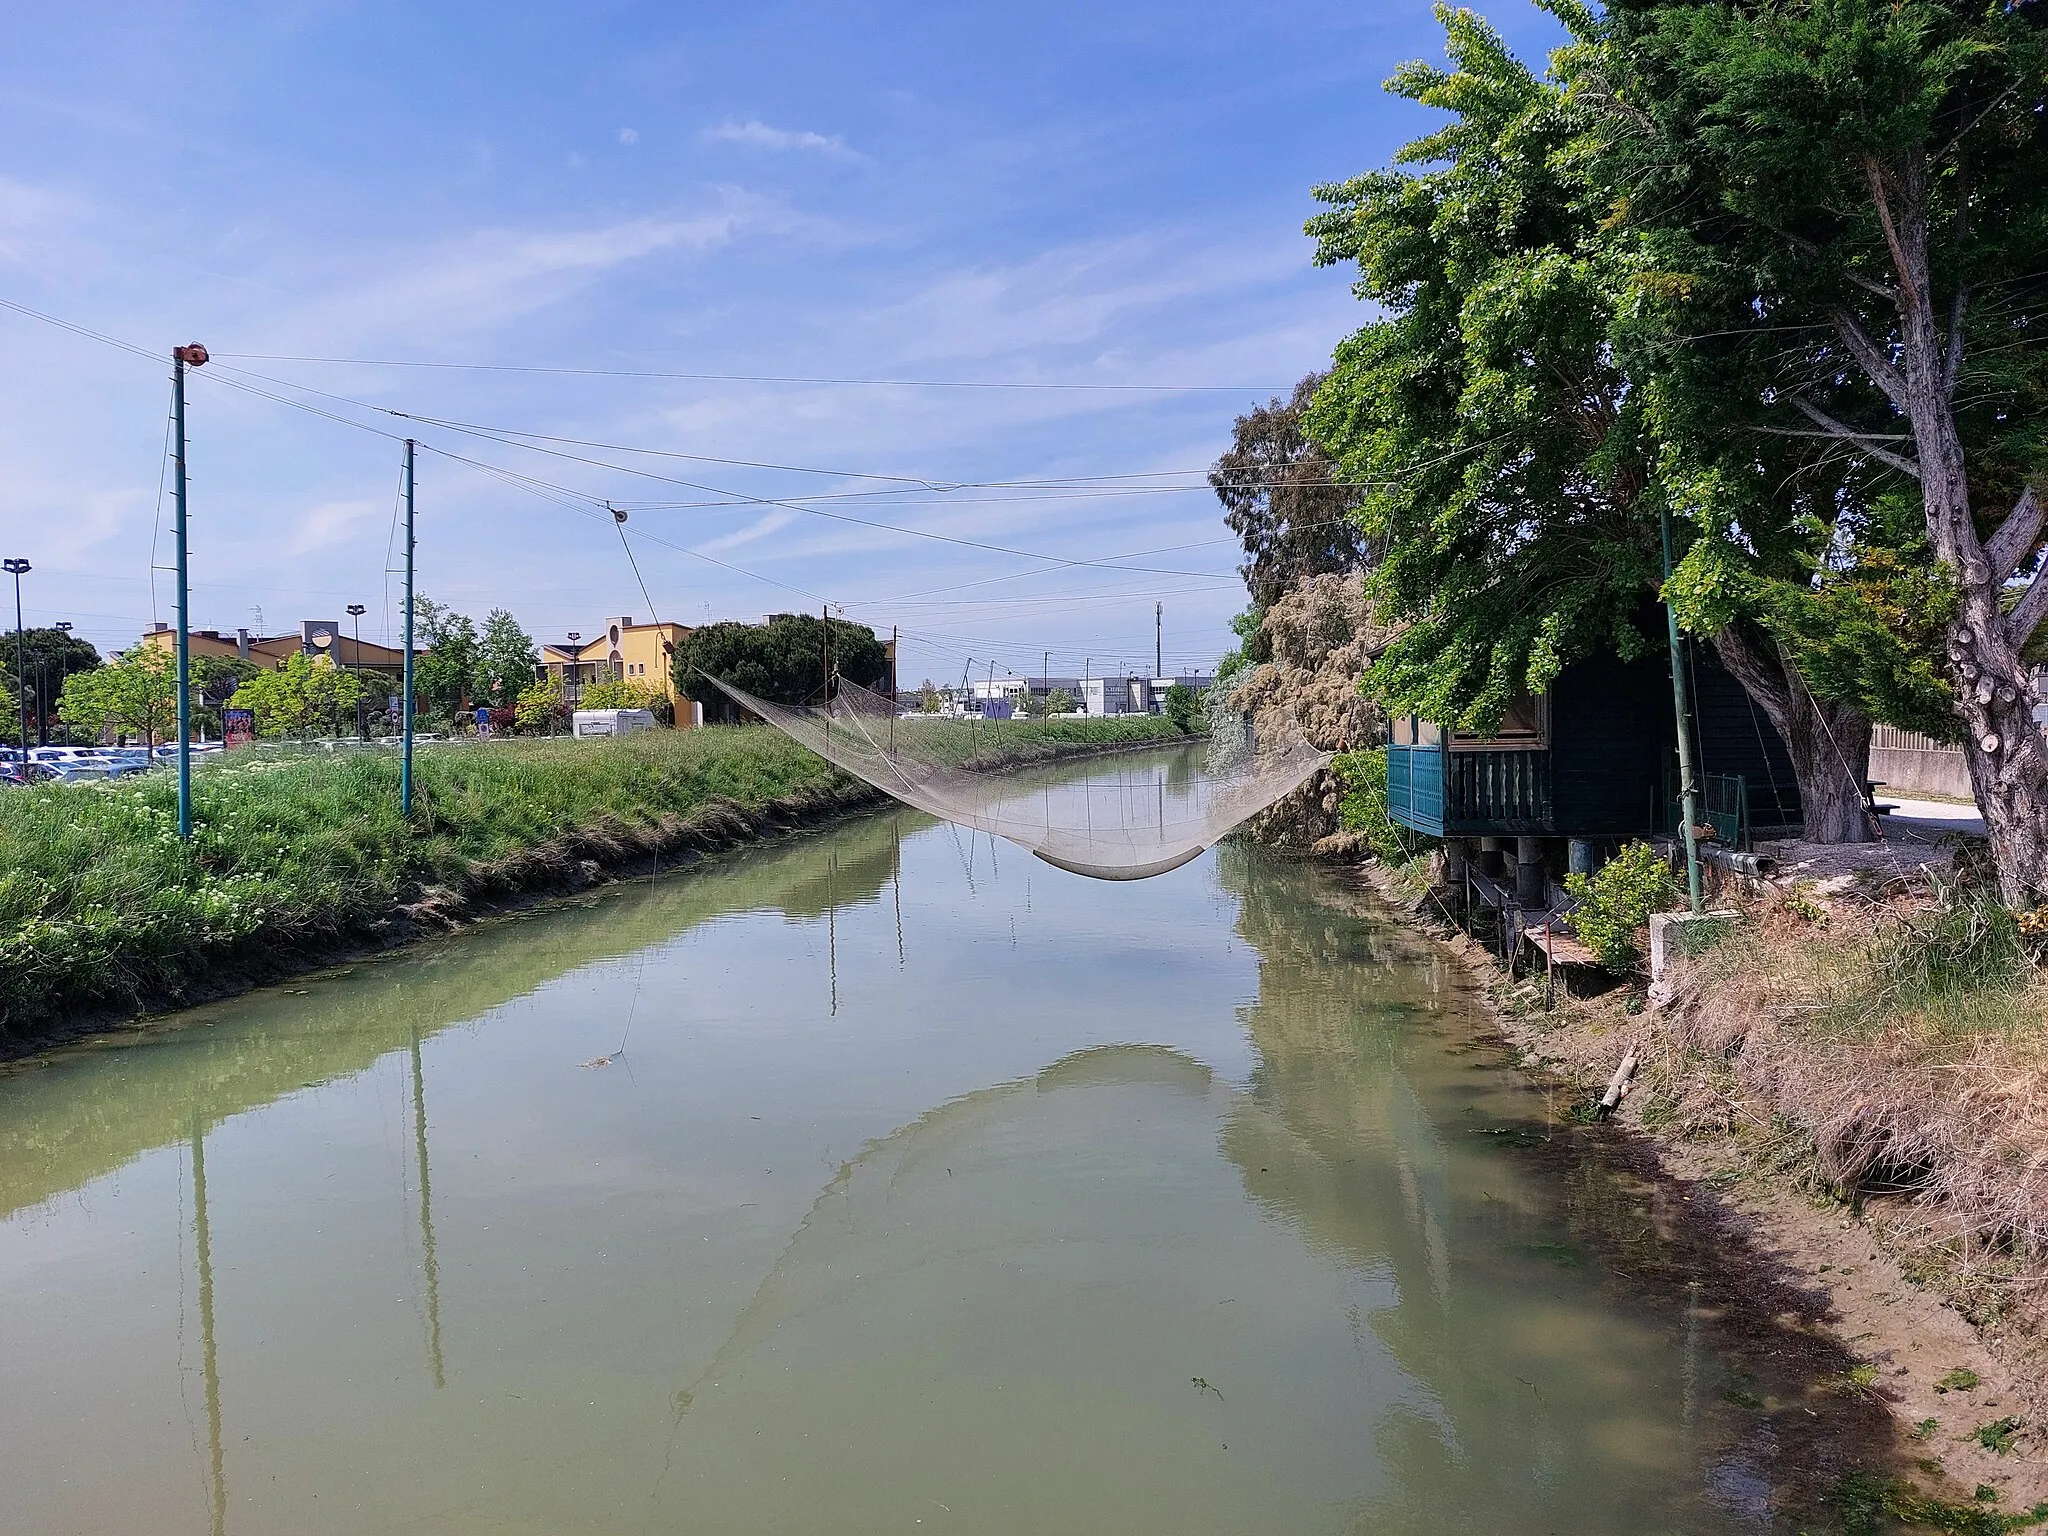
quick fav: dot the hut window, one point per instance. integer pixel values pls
(1524, 727)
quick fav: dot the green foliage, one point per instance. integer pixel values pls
(1997, 1436)
(541, 707)
(1363, 808)
(781, 661)
(1059, 702)
(506, 660)
(1505, 448)
(1615, 903)
(306, 695)
(137, 692)
(445, 676)
(1281, 499)
(1252, 645)
(1182, 706)
(928, 701)
(1961, 1379)
(1967, 942)
(620, 693)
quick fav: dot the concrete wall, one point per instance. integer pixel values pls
(1909, 764)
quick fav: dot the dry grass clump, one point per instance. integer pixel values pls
(1905, 1047)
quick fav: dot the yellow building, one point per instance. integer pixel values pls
(634, 653)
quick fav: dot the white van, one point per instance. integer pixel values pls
(611, 722)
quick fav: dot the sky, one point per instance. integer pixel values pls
(997, 277)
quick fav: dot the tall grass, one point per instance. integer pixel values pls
(102, 906)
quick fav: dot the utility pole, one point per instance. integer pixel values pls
(17, 569)
(894, 637)
(192, 355)
(1688, 784)
(1045, 682)
(1159, 639)
(405, 700)
(356, 611)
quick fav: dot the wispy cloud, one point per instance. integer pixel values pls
(760, 528)
(629, 135)
(760, 135)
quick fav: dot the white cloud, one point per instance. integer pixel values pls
(629, 135)
(758, 529)
(760, 135)
(334, 523)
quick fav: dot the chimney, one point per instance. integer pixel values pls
(241, 645)
(625, 621)
(159, 629)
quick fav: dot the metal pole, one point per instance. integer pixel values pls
(405, 700)
(355, 611)
(20, 663)
(893, 689)
(1159, 639)
(1045, 682)
(1688, 785)
(184, 638)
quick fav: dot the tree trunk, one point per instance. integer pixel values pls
(1829, 743)
(2002, 743)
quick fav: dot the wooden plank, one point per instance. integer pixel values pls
(1561, 947)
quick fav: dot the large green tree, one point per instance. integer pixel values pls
(1517, 417)
(305, 695)
(506, 660)
(445, 674)
(782, 661)
(136, 692)
(46, 657)
(1864, 177)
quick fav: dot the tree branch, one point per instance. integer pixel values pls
(1761, 677)
(2016, 536)
(1850, 434)
(1880, 368)
(2021, 623)
(1874, 172)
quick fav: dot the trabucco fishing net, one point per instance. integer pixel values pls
(1142, 820)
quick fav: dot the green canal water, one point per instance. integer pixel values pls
(881, 1181)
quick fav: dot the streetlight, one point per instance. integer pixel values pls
(63, 627)
(17, 569)
(356, 612)
(575, 670)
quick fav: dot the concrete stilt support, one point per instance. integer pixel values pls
(1531, 879)
(1454, 861)
(1579, 856)
(1492, 857)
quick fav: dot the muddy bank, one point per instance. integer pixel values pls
(1831, 1286)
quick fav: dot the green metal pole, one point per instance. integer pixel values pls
(184, 641)
(405, 701)
(1688, 784)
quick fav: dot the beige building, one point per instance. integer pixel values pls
(634, 653)
(315, 637)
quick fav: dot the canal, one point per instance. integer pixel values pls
(882, 1180)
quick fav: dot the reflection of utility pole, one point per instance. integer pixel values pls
(896, 885)
(202, 1239)
(429, 1262)
(832, 928)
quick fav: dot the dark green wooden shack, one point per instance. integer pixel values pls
(1596, 759)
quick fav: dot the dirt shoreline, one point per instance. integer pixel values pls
(1902, 1337)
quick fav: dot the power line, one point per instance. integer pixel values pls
(757, 378)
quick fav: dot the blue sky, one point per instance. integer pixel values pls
(1045, 194)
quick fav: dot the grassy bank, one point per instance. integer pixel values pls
(104, 912)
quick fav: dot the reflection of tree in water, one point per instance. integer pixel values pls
(1373, 1133)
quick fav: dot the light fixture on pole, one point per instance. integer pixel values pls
(191, 355)
(17, 569)
(356, 612)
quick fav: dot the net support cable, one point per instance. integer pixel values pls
(930, 764)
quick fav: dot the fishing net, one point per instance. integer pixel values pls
(1144, 819)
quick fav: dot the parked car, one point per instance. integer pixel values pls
(14, 775)
(611, 722)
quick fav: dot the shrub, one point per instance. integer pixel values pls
(1615, 903)
(1182, 704)
(1364, 807)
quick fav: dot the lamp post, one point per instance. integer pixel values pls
(356, 612)
(17, 569)
(575, 672)
(189, 356)
(63, 627)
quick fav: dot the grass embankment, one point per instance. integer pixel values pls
(297, 858)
